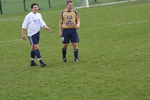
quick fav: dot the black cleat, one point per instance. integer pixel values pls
(42, 64)
(65, 60)
(76, 60)
(33, 64)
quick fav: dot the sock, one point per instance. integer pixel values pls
(32, 55)
(64, 52)
(75, 53)
(38, 55)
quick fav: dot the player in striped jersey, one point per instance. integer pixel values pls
(69, 22)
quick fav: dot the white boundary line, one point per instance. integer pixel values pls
(11, 41)
(11, 18)
(106, 4)
(129, 23)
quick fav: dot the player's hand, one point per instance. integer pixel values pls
(48, 29)
(60, 34)
(23, 36)
(77, 26)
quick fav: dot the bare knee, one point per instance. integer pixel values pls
(75, 45)
(65, 45)
(35, 47)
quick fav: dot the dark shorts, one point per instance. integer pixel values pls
(34, 39)
(70, 35)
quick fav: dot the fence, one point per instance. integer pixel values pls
(13, 6)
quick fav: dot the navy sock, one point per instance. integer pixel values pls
(38, 55)
(75, 53)
(64, 52)
(32, 55)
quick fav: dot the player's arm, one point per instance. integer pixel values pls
(77, 20)
(24, 27)
(47, 28)
(60, 30)
(43, 24)
(60, 24)
(24, 34)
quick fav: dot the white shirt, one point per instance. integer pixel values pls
(33, 22)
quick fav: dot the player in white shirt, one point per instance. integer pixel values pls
(33, 22)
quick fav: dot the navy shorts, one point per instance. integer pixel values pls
(34, 39)
(70, 35)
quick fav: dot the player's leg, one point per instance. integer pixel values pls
(37, 51)
(65, 41)
(35, 46)
(75, 50)
(64, 51)
(75, 40)
(38, 55)
(32, 53)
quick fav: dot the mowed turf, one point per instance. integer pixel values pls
(114, 55)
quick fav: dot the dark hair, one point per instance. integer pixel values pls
(33, 4)
(69, 1)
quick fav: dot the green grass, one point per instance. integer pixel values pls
(113, 50)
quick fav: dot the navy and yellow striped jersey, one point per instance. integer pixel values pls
(69, 19)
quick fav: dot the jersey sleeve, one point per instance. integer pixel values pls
(42, 22)
(76, 12)
(25, 22)
(77, 16)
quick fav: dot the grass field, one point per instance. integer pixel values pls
(114, 52)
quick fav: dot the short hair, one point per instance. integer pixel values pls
(69, 1)
(33, 4)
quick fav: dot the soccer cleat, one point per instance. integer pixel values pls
(33, 64)
(76, 60)
(65, 60)
(42, 64)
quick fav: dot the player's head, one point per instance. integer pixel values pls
(69, 5)
(34, 7)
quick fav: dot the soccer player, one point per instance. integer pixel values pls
(33, 22)
(69, 22)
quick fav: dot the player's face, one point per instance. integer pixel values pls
(35, 8)
(70, 6)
